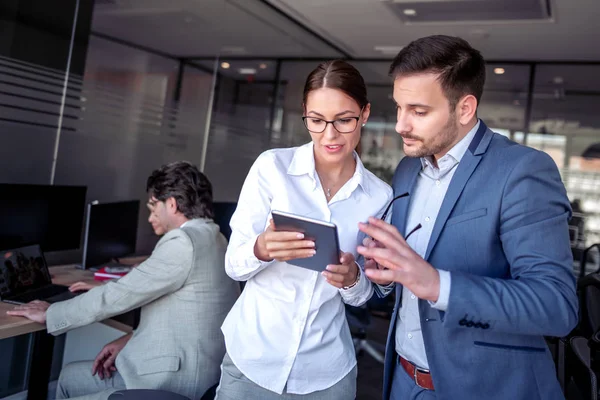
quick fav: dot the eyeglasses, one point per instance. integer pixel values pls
(342, 125)
(387, 210)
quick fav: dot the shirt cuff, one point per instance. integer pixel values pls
(383, 291)
(244, 264)
(444, 297)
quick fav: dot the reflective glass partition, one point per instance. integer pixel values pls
(132, 117)
(243, 108)
(566, 124)
(36, 62)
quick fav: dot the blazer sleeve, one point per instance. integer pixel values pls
(164, 272)
(539, 298)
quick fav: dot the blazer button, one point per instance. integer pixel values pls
(470, 324)
(486, 326)
(478, 325)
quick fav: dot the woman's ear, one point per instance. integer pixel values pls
(365, 114)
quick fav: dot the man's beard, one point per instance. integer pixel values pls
(441, 142)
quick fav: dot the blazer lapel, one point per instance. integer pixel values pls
(404, 183)
(463, 172)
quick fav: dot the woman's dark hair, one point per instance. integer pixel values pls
(461, 68)
(190, 188)
(337, 74)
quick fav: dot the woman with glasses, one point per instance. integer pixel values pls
(287, 335)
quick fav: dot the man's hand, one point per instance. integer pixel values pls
(282, 246)
(104, 364)
(371, 263)
(83, 286)
(403, 264)
(35, 311)
(343, 274)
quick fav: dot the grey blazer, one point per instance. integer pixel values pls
(184, 295)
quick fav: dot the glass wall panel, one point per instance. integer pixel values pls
(130, 122)
(564, 116)
(244, 106)
(34, 58)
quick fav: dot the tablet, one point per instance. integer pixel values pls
(323, 233)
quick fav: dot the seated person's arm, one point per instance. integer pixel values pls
(164, 272)
(84, 286)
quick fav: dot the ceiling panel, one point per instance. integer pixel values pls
(199, 28)
(572, 34)
(360, 28)
(419, 11)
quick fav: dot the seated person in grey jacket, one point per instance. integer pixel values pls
(183, 292)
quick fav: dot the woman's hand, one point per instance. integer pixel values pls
(282, 246)
(344, 274)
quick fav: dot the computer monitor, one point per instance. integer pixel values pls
(110, 232)
(21, 270)
(48, 215)
(223, 213)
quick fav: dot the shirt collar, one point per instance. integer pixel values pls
(303, 163)
(458, 151)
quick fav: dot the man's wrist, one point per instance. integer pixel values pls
(435, 288)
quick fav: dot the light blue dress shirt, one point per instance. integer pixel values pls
(426, 199)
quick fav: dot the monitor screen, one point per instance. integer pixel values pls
(223, 213)
(48, 215)
(111, 231)
(21, 270)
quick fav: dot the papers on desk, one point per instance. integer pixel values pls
(106, 273)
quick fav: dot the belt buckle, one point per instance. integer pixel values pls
(424, 371)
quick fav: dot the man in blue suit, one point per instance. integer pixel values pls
(478, 249)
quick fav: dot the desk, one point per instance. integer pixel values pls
(43, 343)
(63, 275)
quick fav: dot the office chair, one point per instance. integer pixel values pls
(358, 321)
(574, 363)
(588, 291)
(145, 394)
(584, 258)
(582, 382)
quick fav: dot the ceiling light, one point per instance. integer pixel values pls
(480, 33)
(388, 49)
(499, 71)
(188, 20)
(263, 66)
(558, 80)
(225, 65)
(233, 49)
(411, 12)
(247, 71)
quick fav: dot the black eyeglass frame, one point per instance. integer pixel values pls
(332, 122)
(387, 210)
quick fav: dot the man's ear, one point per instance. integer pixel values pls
(171, 204)
(466, 109)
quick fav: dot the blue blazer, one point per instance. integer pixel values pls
(502, 233)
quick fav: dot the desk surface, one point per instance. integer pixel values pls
(62, 275)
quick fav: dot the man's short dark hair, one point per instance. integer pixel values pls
(461, 68)
(191, 188)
